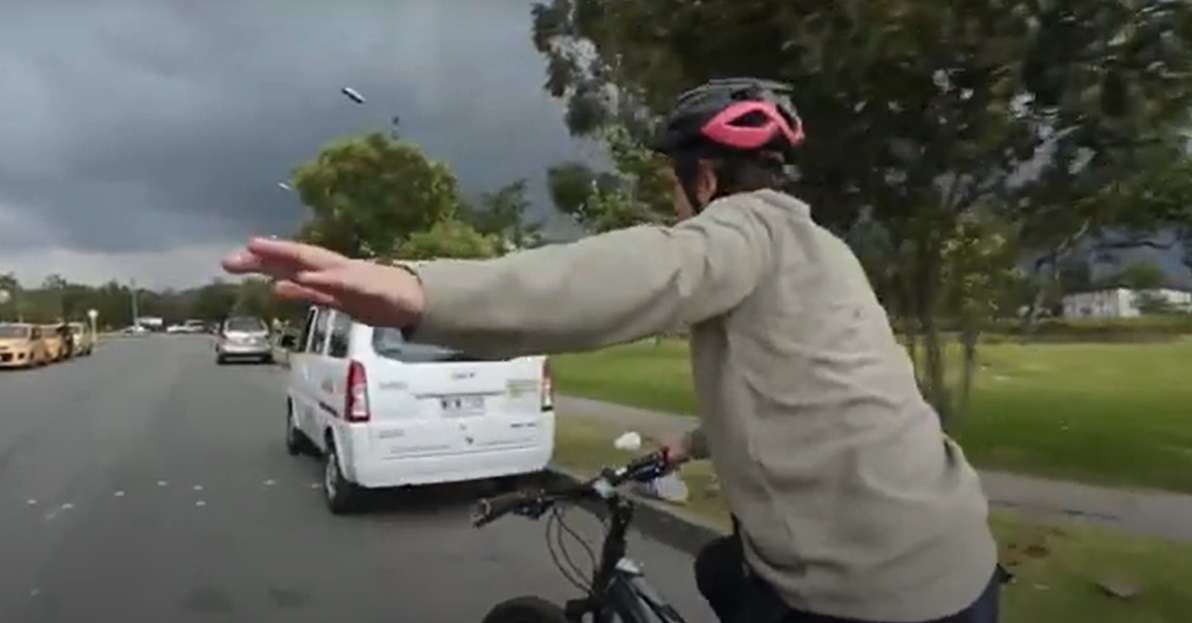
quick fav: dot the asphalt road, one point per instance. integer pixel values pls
(147, 484)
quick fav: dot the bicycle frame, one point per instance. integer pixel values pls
(620, 593)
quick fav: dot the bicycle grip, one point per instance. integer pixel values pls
(490, 509)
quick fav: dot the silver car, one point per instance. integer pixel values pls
(243, 337)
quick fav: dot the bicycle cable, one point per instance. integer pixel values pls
(562, 513)
(569, 573)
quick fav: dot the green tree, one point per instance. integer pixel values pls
(449, 239)
(978, 269)
(370, 193)
(570, 185)
(924, 113)
(10, 308)
(503, 214)
(638, 190)
(1137, 276)
(1076, 275)
(215, 301)
(49, 299)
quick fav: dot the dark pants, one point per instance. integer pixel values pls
(737, 597)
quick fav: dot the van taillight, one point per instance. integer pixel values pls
(548, 388)
(356, 400)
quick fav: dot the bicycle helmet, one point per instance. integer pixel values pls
(732, 115)
(729, 118)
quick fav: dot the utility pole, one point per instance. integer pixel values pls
(135, 315)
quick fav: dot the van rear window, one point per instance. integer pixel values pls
(391, 344)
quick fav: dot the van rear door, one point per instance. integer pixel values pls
(429, 401)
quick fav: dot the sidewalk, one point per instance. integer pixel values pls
(1145, 512)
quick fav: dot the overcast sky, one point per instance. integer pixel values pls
(143, 139)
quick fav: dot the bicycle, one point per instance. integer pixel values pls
(618, 591)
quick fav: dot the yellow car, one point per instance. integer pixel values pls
(22, 346)
(54, 341)
(84, 341)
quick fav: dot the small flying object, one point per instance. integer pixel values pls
(353, 94)
(284, 186)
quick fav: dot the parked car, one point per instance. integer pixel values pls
(135, 330)
(243, 337)
(190, 327)
(55, 343)
(385, 412)
(84, 340)
(22, 346)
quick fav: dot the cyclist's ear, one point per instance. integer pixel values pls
(707, 184)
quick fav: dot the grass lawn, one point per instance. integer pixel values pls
(1058, 566)
(1118, 414)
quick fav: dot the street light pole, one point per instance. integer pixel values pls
(136, 317)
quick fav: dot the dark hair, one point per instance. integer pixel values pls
(736, 172)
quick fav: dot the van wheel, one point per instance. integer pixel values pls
(296, 441)
(342, 496)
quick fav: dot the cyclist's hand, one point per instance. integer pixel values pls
(677, 447)
(371, 293)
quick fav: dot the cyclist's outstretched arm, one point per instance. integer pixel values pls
(605, 289)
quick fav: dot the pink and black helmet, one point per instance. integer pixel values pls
(732, 115)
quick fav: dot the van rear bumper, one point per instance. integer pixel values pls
(424, 470)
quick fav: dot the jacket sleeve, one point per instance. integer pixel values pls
(602, 290)
(697, 444)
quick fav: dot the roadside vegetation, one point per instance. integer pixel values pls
(1105, 413)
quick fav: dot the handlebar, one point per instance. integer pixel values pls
(535, 503)
(490, 509)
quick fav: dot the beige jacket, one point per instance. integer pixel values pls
(852, 501)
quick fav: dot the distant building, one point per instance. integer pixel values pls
(1121, 302)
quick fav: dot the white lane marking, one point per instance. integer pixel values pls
(119, 494)
(67, 506)
(197, 487)
(34, 592)
(31, 502)
(315, 485)
(162, 483)
(200, 503)
(269, 483)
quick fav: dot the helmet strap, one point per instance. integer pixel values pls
(687, 172)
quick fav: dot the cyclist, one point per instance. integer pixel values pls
(852, 504)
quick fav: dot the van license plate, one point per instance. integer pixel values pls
(455, 406)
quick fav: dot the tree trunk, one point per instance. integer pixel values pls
(910, 323)
(933, 383)
(1058, 253)
(969, 336)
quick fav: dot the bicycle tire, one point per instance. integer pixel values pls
(525, 610)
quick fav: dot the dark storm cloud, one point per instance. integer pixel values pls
(143, 125)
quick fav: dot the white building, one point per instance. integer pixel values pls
(1120, 302)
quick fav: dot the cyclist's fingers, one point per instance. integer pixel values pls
(280, 258)
(301, 255)
(333, 281)
(289, 290)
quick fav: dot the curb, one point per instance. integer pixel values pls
(661, 522)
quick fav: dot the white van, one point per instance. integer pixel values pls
(384, 412)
